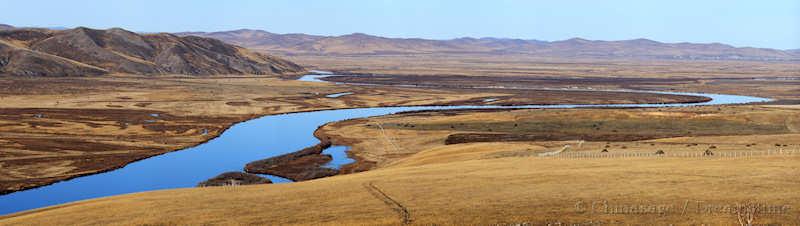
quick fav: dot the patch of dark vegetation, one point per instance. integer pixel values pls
(301, 165)
(179, 129)
(459, 138)
(233, 179)
(571, 125)
(63, 144)
(143, 104)
(60, 86)
(35, 124)
(464, 81)
(238, 103)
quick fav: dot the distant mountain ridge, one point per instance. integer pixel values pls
(85, 51)
(363, 44)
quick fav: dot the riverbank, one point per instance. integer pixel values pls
(308, 163)
(248, 140)
(223, 144)
(462, 187)
(55, 129)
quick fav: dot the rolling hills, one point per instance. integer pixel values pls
(85, 51)
(363, 44)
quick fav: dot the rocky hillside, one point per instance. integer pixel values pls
(363, 44)
(6, 27)
(84, 51)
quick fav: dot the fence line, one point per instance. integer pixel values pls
(681, 154)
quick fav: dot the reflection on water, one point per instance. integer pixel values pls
(339, 154)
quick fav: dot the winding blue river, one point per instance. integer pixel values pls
(244, 142)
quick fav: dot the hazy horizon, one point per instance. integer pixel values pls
(775, 24)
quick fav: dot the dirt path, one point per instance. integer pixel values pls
(405, 216)
(386, 135)
(559, 151)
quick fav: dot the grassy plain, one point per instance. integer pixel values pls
(57, 128)
(53, 129)
(779, 80)
(388, 140)
(419, 180)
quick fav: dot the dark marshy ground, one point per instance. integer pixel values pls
(305, 164)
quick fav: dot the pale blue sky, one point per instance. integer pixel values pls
(772, 24)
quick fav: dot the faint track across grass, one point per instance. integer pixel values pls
(405, 216)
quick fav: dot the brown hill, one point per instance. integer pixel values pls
(363, 44)
(16, 60)
(6, 27)
(84, 51)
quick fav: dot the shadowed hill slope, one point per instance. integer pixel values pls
(363, 44)
(84, 51)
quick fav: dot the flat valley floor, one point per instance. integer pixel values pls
(448, 168)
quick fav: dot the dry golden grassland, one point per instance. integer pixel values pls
(421, 181)
(779, 80)
(48, 123)
(388, 140)
(57, 128)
